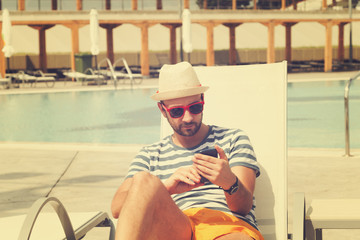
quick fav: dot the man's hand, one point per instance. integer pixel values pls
(183, 180)
(216, 170)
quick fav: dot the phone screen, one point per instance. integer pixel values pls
(210, 152)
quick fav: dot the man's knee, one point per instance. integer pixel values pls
(145, 181)
(235, 236)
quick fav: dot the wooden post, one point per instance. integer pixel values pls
(341, 41)
(234, 5)
(79, 5)
(2, 56)
(42, 45)
(255, 5)
(210, 55)
(110, 40)
(54, 5)
(288, 26)
(158, 4)
(108, 4)
(75, 45)
(21, 5)
(283, 4)
(232, 44)
(205, 4)
(74, 27)
(172, 29)
(328, 46)
(144, 55)
(186, 4)
(271, 42)
(324, 4)
(134, 4)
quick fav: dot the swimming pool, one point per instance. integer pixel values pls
(315, 116)
(124, 116)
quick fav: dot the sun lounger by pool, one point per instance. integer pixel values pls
(88, 76)
(135, 78)
(253, 98)
(5, 82)
(32, 80)
(119, 76)
(48, 79)
(331, 214)
(53, 225)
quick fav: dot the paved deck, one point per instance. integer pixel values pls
(85, 177)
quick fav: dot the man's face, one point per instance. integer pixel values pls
(188, 124)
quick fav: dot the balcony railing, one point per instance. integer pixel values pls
(174, 5)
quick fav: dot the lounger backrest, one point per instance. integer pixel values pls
(128, 70)
(253, 98)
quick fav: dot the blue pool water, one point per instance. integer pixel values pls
(124, 116)
(315, 116)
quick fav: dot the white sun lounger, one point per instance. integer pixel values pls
(135, 78)
(253, 98)
(50, 225)
(88, 75)
(331, 214)
(5, 81)
(33, 80)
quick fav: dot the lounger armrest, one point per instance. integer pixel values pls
(35, 211)
(101, 219)
(298, 216)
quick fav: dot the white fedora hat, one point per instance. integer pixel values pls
(177, 81)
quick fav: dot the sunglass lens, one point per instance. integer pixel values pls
(196, 108)
(176, 112)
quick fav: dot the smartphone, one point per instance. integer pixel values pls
(210, 152)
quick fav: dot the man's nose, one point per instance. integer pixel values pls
(188, 117)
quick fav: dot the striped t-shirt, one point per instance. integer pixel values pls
(163, 158)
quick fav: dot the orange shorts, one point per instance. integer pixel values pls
(209, 224)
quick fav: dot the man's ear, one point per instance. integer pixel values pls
(162, 110)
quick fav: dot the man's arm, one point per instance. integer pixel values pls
(119, 197)
(218, 171)
(242, 200)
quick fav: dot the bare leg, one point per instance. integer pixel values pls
(235, 236)
(149, 212)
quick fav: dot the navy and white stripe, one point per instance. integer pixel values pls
(163, 158)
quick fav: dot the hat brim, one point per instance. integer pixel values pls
(173, 94)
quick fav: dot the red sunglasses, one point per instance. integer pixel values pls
(179, 111)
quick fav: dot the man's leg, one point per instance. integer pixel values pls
(235, 236)
(148, 212)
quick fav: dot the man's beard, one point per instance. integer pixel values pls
(182, 131)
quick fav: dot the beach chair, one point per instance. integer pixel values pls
(89, 75)
(49, 225)
(135, 78)
(323, 214)
(253, 98)
(33, 79)
(5, 82)
(24, 78)
(47, 78)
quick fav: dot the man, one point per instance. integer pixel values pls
(164, 195)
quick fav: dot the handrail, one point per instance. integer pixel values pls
(111, 68)
(347, 127)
